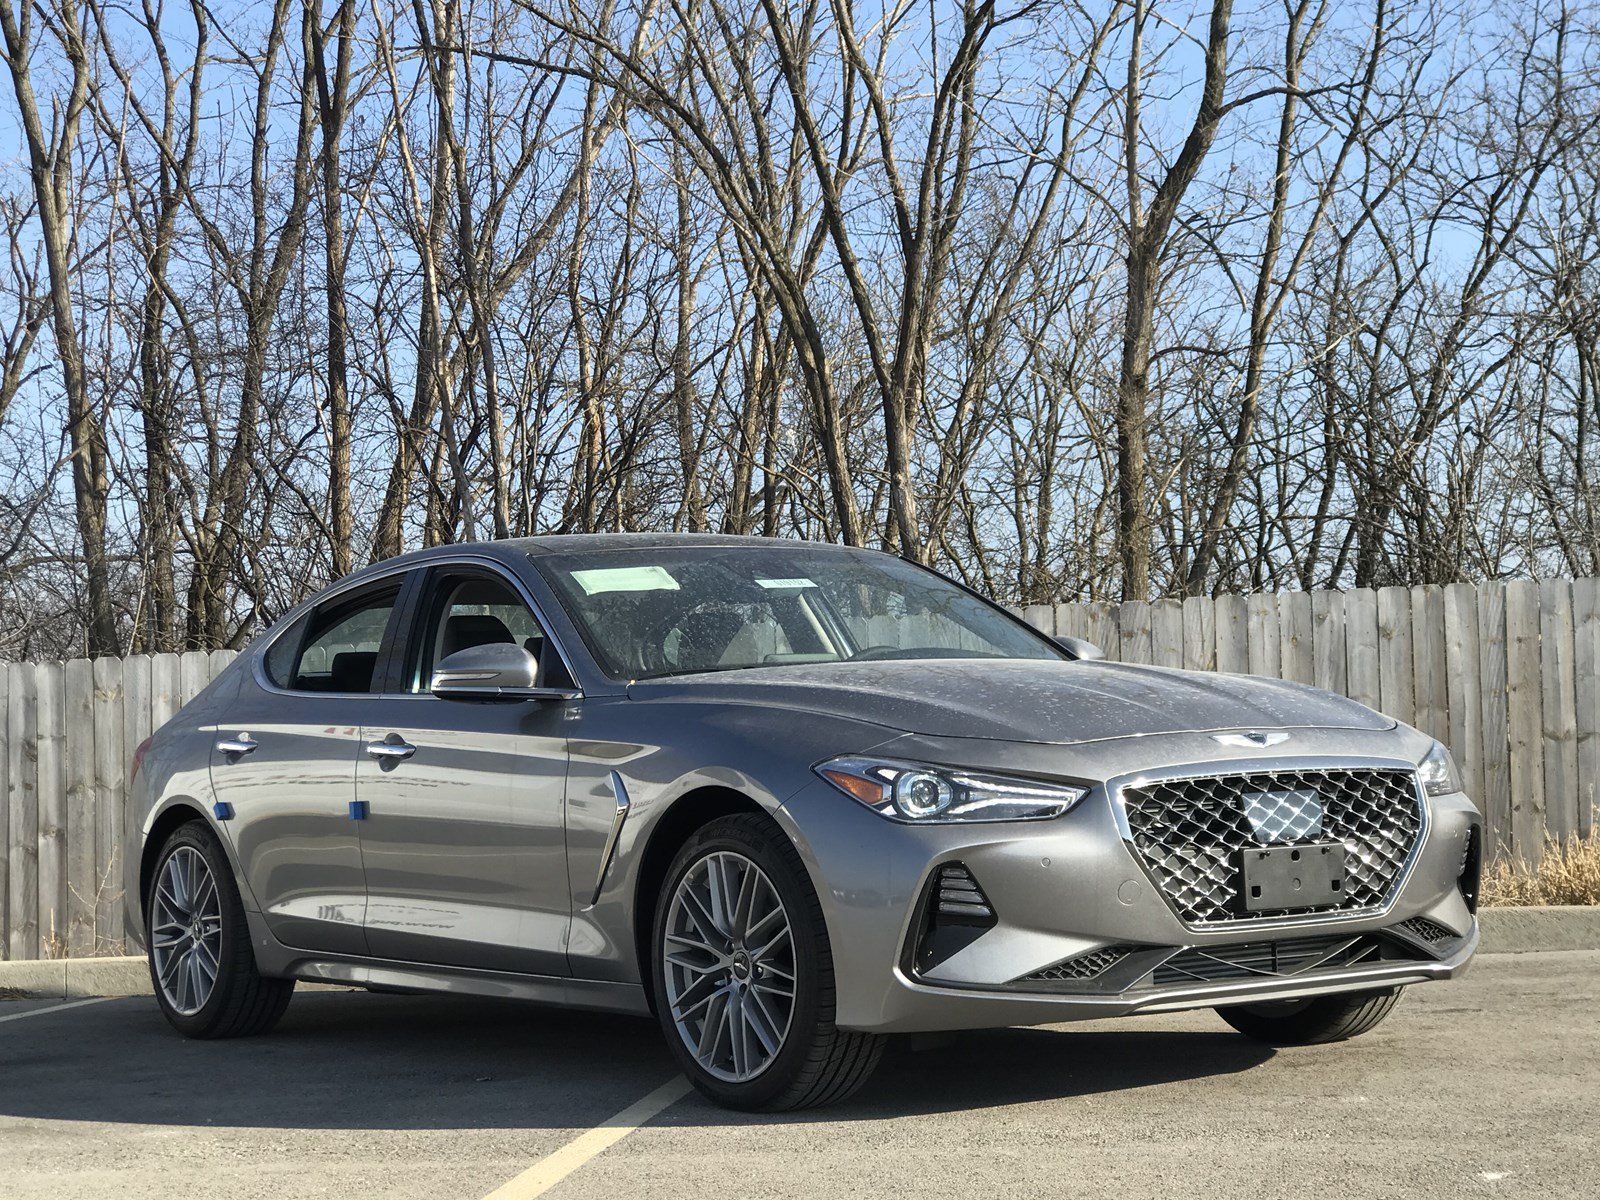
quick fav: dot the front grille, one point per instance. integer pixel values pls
(1429, 931)
(1190, 834)
(1252, 960)
(1085, 966)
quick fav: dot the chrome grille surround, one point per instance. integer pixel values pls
(1185, 827)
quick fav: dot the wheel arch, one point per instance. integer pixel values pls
(176, 813)
(668, 833)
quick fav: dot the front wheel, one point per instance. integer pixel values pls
(744, 975)
(1314, 1021)
(201, 965)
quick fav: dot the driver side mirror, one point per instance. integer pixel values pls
(1080, 649)
(493, 671)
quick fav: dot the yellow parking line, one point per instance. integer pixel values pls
(551, 1170)
(54, 1008)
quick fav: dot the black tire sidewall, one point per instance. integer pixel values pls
(811, 952)
(197, 835)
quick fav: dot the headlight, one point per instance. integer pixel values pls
(1438, 772)
(918, 793)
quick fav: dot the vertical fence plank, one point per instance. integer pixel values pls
(194, 672)
(110, 775)
(1361, 646)
(1200, 633)
(22, 750)
(1463, 685)
(1496, 800)
(1134, 623)
(164, 691)
(1102, 624)
(5, 809)
(1233, 635)
(82, 884)
(1266, 650)
(1525, 720)
(1432, 690)
(135, 728)
(1586, 669)
(1296, 635)
(1166, 633)
(1328, 669)
(1559, 700)
(1041, 616)
(1071, 621)
(54, 756)
(1396, 681)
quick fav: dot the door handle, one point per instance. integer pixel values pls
(233, 747)
(387, 751)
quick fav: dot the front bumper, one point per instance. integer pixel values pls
(1065, 888)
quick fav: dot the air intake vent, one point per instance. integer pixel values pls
(1085, 966)
(1429, 931)
(1255, 960)
(960, 898)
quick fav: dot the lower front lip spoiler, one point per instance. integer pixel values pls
(919, 1007)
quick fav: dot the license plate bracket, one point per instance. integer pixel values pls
(1284, 878)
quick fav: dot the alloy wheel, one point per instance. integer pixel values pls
(186, 930)
(729, 964)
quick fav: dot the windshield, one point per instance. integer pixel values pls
(681, 610)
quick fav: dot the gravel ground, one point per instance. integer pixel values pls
(1489, 1085)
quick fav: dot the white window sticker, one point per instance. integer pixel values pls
(625, 579)
(783, 585)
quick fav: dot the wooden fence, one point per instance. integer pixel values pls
(1507, 675)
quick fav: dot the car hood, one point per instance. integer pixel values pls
(1061, 703)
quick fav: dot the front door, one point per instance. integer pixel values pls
(461, 829)
(284, 765)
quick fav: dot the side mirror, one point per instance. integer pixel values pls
(1080, 648)
(495, 671)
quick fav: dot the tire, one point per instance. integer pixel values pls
(1312, 1022)
(814, 1062)
(239, 1001)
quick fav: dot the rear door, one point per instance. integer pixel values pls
(284, 763)
(462, 832)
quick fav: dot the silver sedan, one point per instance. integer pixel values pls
(788, 797)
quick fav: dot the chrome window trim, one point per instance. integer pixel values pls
(1246, 766)
(354, 585)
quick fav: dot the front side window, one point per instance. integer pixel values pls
(676, 611)
(336, 648)
(465, 610)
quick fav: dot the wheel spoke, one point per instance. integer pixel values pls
(746, 898)
(781, 936)
(761, 1022)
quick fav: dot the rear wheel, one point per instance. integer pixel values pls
(744, 975)
(1313, 1021)
(201, 965)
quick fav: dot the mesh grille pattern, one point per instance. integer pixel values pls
(1084, 966)
(1429, 931)
(1189, 833)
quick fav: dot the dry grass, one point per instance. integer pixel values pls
(12, 994)
(1569, 873)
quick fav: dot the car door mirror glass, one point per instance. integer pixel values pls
(494, 671)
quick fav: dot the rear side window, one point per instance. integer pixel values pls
(336, 648)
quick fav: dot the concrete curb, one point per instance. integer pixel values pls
(1504, 931)
(1526, 930)
(72, 978)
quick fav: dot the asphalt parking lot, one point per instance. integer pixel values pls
(1486, 1086)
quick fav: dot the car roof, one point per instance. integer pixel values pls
(577, 543)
